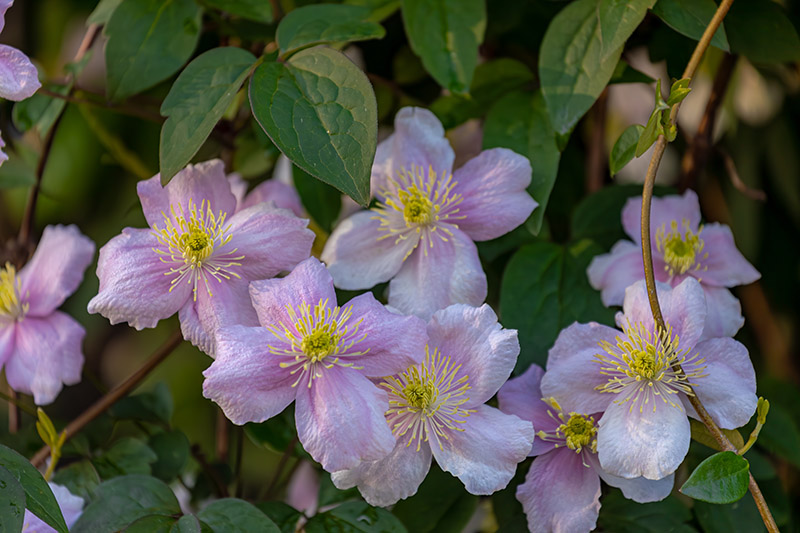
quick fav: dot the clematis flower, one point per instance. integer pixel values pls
(437, 408)
(561, 492)
(198, 256)
(322, 356)
(683, 248)
(71, 508)
(40, 346)
(630, 377)
(420, 236)
(18, 77)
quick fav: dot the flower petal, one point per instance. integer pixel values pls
(4, 5)
(724, 313)
(340, 419)
(133, 287)
(279, 194)
(71, 508)
(521, 396)
(638, 489)
(19, 79)
(434, 277)
(238, 189)
(475, 340)
(485, 454)
(613, 272)
(8, 335)
(359, 257)
(245, 380)
(663, 211)
(56, 269)
(725, 265)
(3, 155)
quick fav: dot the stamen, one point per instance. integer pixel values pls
(11, 305)
(682, 250)
(575, 431)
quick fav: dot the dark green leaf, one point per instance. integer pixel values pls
(12, 502)
(188, 523)
(321, 200)
(102, 12)
(230, 515)
(123, 500)
(327, 23)
(624, 73)
(148, 41)
(319, 109)
(780, 435)
(329, 494)
(520, 122)
(691, 17)
(127, 456)
(624, 149)
(379, 9)
(355, 517)
(722, 478)
(152, 524)
(39, 498)
(285, 516)
(80, 478)
(738, 516)
(172, 450)
(154, 406)
(39, 111)
(274, 434)
(440, 505)
(258, 10)
(197, 101)
(446, 34)
(16, 172)
(626, 516)
(649, 133)
(761, 31)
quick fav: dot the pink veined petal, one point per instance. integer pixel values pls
(56, 269)
(522, 397)
(663, 211)
(560, 494)
(133, 284)
(245, 380)
(19, 79)
(71, 508)
(308, 283)
(195, 183)
(302, 493)
(434, 277)
(360, 256)
(724, 313)
(493, 187)
(474, 338)
(613, 272)
(391, 479)
(485, 455)
(280, 194)
(725, 265)
(238, 189)
(8, 337)
(638, 489)
(340, 419)
(393, 342)
(47, 356)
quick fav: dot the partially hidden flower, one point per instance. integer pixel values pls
(682, 248)
(630, 376)
(277, 190)
(71, 509)
(3, 155)
(561, 492)
(18, 77)
(40, 346)
(322, 356)
(198, 256)
(437, 409)
(420, 236)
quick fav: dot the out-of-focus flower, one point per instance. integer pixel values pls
(437, 408)
(197, 258)
(629, 376)
(279, 190)
(682, 248)
(18, 77)
(420, 236)
(3, 155)
(562, 488)
(40, 346)
(309, 350)
(303, 490)
(71, 508)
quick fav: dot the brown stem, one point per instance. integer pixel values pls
(277, 12)
(114, 394)
(131, 111)
(736, 181)
(281, 466)
(13, 411)
(213, 475)
(595, 160)
(222, 442)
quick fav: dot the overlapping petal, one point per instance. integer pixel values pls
(724, 313)
(663, 211)
(19, 79)
(725, 265)
(521, 396)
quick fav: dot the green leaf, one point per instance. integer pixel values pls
(39, 111)
(701, 434)
(738, 516)
(80, 477)
(12, 502)
(102, 12)
(196, 102)
(520, 122)
(154, 406)
(440, 505)
(761, 31)
(188, 523)
(649, 133)
(446, 35)
(624, 73)
(172, 450)
(621, 515)
(722, 478)
(379, 9)
(318, 198)
(123, 500)
(624, 149)
(127, 456)
(230, 515)
(257, 10)
(39, 498)
(285, 516)
(691, 18)
(148, 41)
(579, 53)
(274, 434)
(329, 494)
(355, 517)
(319, 109)
(545, 289)
(152, 524)
(320, 24)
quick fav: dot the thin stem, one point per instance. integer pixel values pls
(12, 400)
(132, 111)
(281, 466)
(213, 475)
(114, 394)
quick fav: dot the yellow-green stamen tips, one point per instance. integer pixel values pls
(318, 345)
(576, 431)
(11, 305)
(417, 208)
(682, 250)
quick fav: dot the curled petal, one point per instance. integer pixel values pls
(522, 396)
(638, 489)
(725, 265)
(19, 79)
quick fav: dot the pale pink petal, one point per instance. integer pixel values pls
(340, 419)
(642, 440)
(279, 194)
(437, 276)
(395, 477)
(56, 269)
(4, 5)
(613, 272)
(71, 508)
(133, 287)
(192, 328)
(18, 77)
(522, 397)
(238, 189)
(724, 313)
(393, 342)
(245, 380)
(474, 339)
(663, 211)
(194, 184)
(725, 265)
(3, 156)
(7, 340)
(638, 489)
(493, 187)
(485, 454)
(560, 494)
(360, 256)
(303, 490)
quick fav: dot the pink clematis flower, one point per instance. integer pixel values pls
(628, 376)
(561, 492)
(18, 77)
(682, 248)
(40, 346)
(309, 350)
(420, 236)
(71, 508)
(198, 256)
(437, 408)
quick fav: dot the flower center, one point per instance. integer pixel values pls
(420, 395)
(682, 250)
(10, 287)
(417, 208)
(318, 344)
(576, 431)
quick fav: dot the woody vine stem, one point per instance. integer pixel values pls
(647, 256)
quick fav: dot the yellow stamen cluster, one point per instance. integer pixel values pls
(11, 305)
(576, 431)
(682, 250)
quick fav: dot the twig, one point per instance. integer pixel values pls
(596, 158)
(199, 456)
(13, 400)
(281, 466)
(132, 111)
(221, 437)
(736, 181)
(277, 12)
